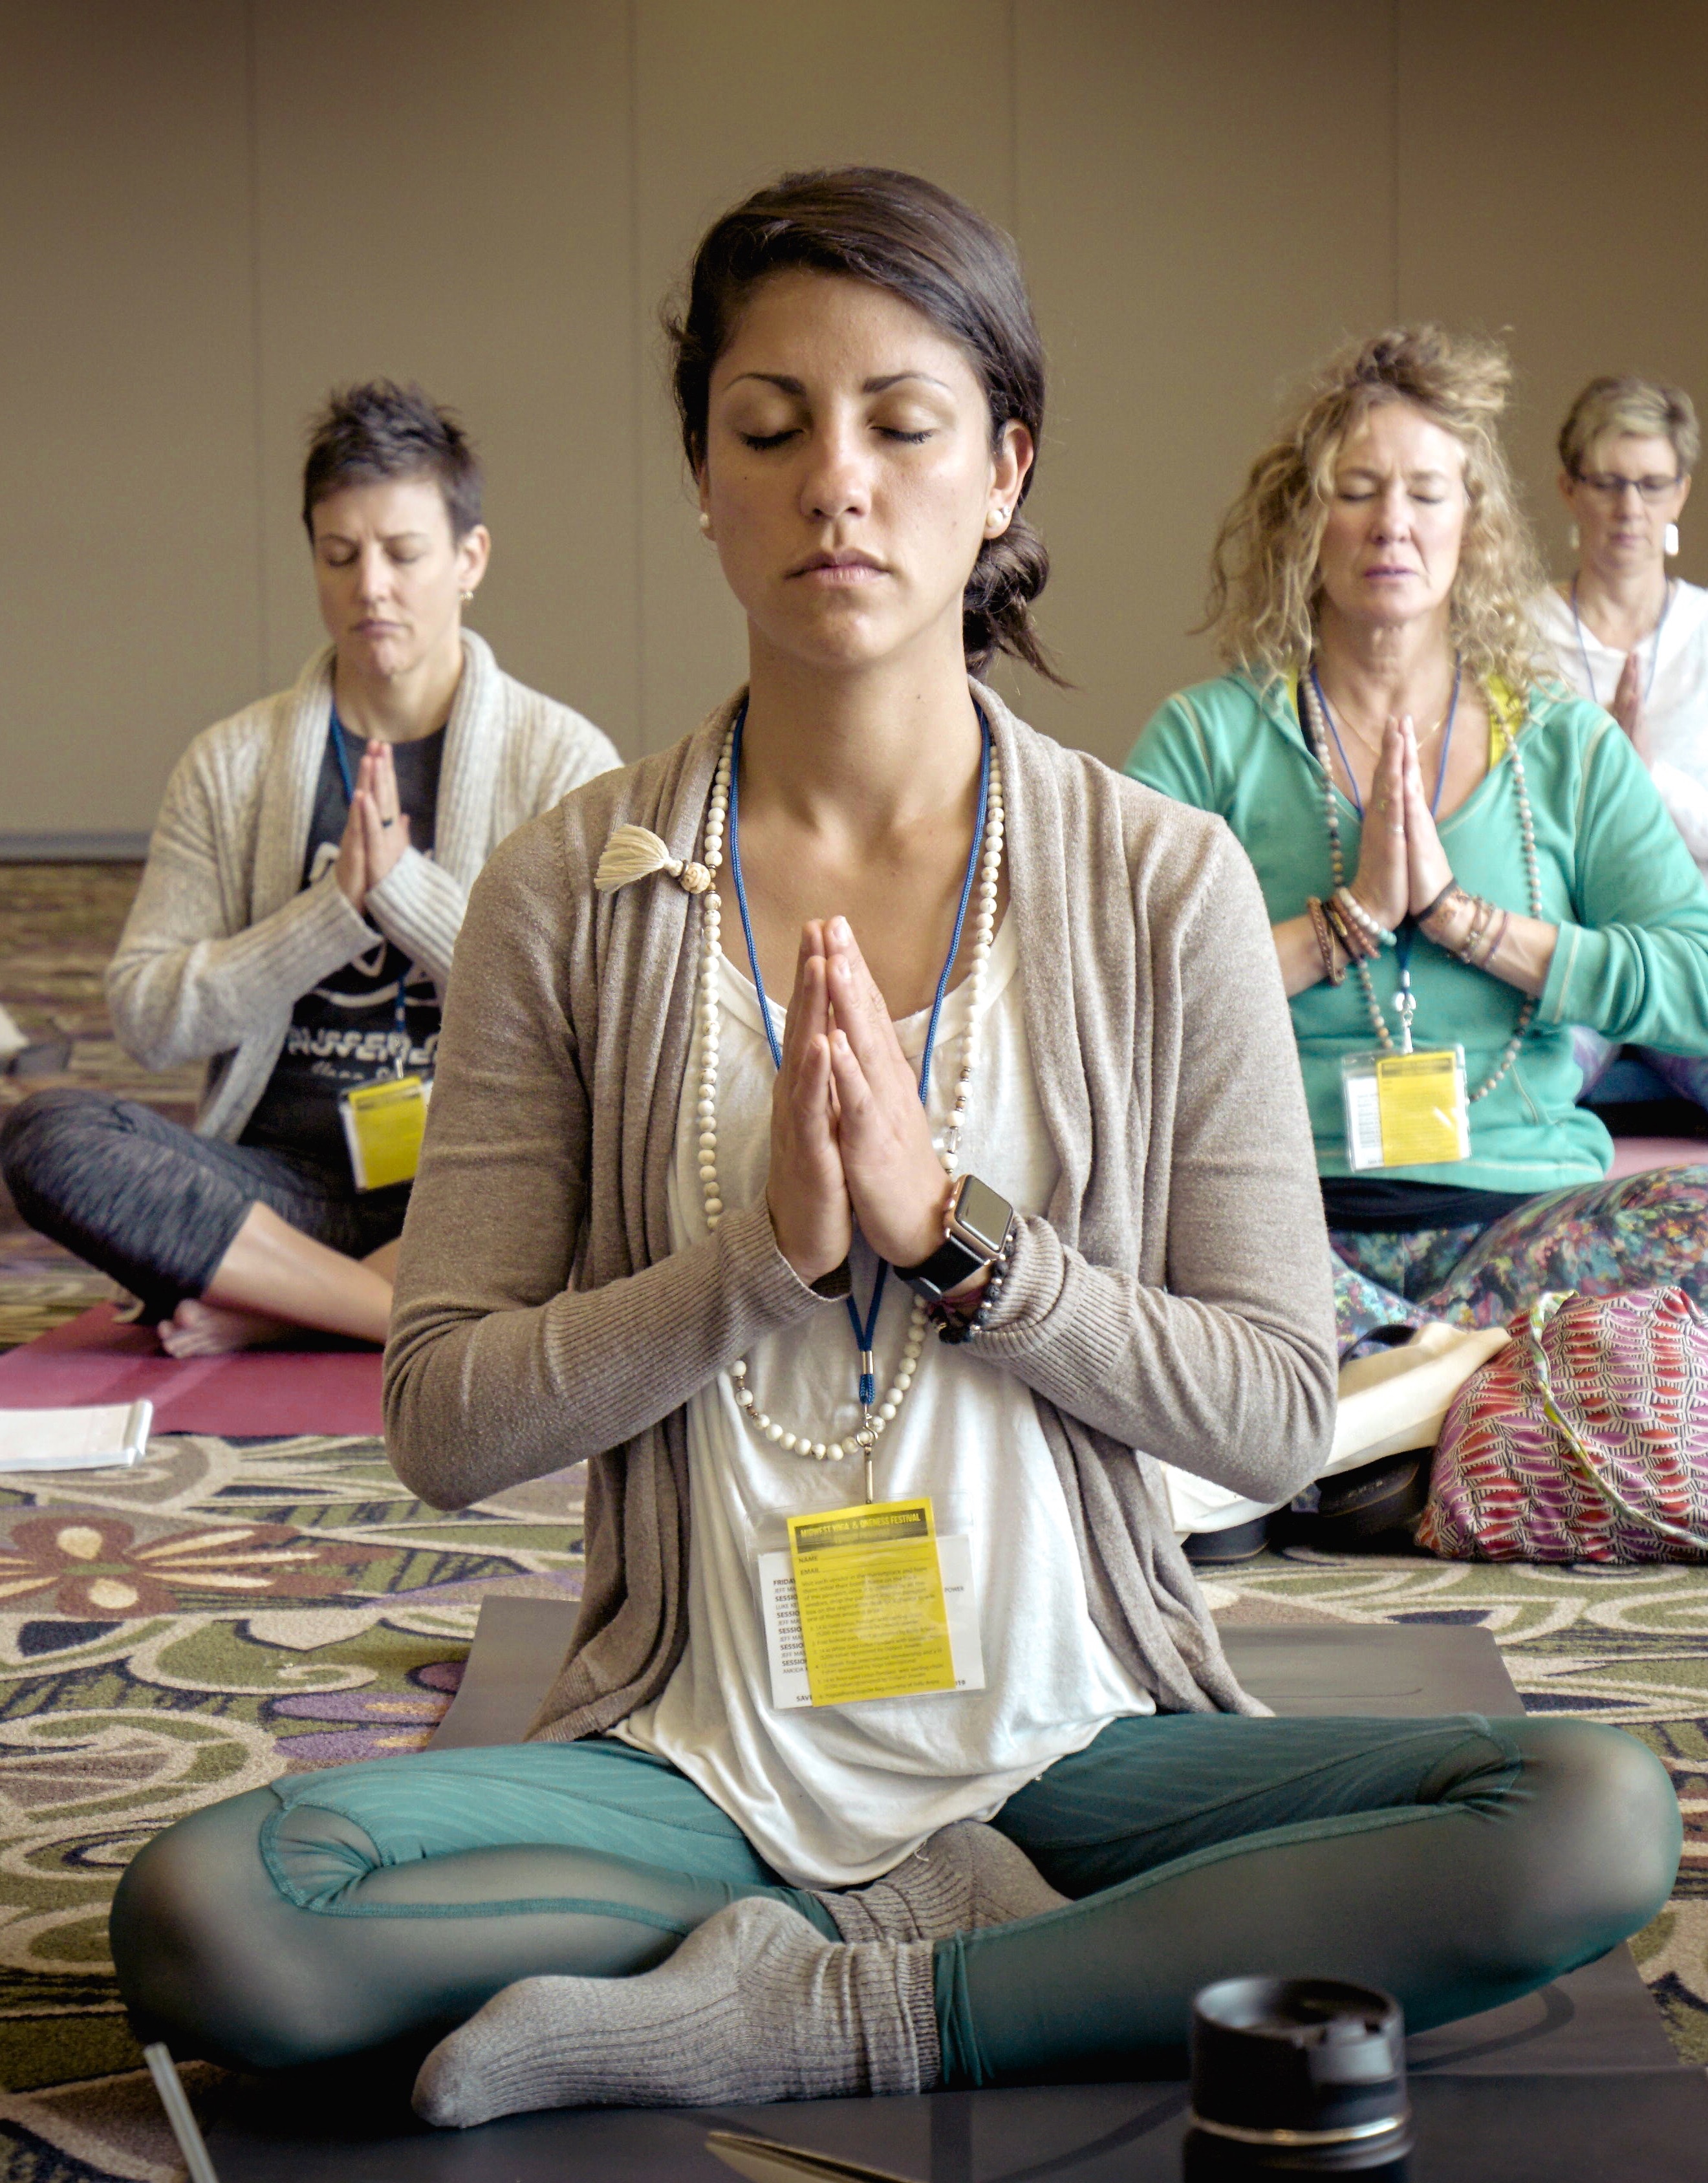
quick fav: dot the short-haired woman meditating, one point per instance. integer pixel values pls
(1625, 633)
(896, 1296)
(1454, 855)
(305, 883)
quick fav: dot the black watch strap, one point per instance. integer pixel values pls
(952, 1263)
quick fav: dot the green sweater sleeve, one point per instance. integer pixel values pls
(1634, 966)
(1172, 755)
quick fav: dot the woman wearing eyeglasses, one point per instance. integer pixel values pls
(1628, 635)
(1625, 633)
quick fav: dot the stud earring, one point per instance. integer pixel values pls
(995, 520)
(467, 597)
(705, 525)
(1572, 539)
(1670, 543)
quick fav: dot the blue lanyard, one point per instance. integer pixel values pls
(864, 1329)
(398, 1020)
(1404, 1002)
(1654, 656)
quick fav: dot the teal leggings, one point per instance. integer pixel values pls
(1459, 1862)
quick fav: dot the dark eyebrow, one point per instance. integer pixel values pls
(789, 386)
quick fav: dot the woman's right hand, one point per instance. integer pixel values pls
(1383, 881)
(351, 871)
(807, 1194)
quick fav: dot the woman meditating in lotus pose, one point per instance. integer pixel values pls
(1035, 1062)
(1517, 873)
(304, 887)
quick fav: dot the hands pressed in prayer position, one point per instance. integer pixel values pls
(1627, 706)
(850, 1139)
(377, 832)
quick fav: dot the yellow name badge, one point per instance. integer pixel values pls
(384, 1123)
(1405, 1109)
(873, 1621)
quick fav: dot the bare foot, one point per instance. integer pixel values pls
(209, 1330)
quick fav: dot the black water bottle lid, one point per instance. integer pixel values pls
(1314, 2068)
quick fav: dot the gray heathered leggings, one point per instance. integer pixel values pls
(155, 1206)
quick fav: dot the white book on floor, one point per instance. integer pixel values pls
(95, 1439)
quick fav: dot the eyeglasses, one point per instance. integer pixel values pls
(1609, 485)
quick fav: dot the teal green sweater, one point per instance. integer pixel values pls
(1632, 908)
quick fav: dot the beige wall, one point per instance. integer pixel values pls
(212, 209)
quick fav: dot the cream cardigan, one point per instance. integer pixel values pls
(1175, 1300)
(223, 938)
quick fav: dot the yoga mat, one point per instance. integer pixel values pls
(1632, 2126)
(519, 1645)
(255, 1392)
(1577, 2083)
(1634, 1155)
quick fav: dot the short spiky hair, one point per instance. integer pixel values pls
(1264, 582)
(379, 431)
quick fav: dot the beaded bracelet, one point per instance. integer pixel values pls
(1333, 969)
(955, 1329)
(1373, 927)
(1358, 944)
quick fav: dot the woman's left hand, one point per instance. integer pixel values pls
(895, 1181)
(1426, 865)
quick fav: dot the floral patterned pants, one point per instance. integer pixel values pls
(1647, 1231)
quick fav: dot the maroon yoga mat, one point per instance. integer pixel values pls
(254, 1391)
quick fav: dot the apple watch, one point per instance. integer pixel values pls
(980, 1224)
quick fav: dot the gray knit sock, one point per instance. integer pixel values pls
(959, 1880)
(755, 2005)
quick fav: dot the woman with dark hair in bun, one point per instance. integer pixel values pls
(894, 1745)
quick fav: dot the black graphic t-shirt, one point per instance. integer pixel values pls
(344, 1031)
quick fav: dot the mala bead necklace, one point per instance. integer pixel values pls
(634, 852)
(1526, 827)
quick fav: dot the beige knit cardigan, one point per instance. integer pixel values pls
(224, 939)
(1174, 1303)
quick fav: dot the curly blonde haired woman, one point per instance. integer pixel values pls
(1518, 873)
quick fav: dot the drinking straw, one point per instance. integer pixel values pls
(163, 2071)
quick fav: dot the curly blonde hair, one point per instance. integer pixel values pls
(1265, 585)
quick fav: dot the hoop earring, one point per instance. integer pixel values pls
(1669, 544)
(1572, 539)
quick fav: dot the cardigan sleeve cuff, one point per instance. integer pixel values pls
(756, 1269)
(419, 909)
(1036, 1268)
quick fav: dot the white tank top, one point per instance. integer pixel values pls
(832, 1797)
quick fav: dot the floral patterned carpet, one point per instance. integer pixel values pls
(179, 1632)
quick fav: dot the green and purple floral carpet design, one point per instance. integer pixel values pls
(176, 1633)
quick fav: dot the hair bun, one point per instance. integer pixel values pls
(995, 616)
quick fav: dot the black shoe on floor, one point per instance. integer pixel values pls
(1239, 1543)
(1373, 1508)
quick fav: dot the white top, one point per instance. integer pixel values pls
(834, 1796)
(1676, 703)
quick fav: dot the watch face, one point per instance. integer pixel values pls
(983, 1214)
